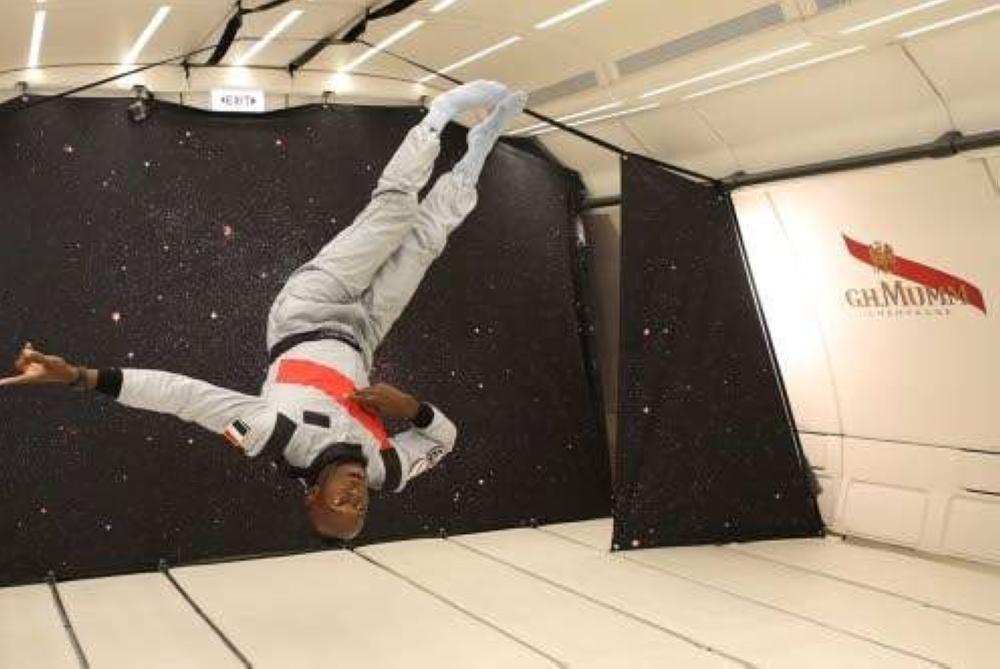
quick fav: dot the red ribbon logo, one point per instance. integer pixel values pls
(882, 258)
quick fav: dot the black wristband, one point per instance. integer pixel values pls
(424, 417)
(109, 382)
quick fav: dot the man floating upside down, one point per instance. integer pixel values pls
(316, 411)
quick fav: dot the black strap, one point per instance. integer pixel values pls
(288, 343)
(227, 39)
(283, 431)
(109, 381)
(393, 469)
(234, 25)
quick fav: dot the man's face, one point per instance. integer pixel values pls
(337, 506)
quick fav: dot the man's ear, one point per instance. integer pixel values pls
(311, 494)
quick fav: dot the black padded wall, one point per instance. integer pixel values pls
(707, 451)
(161, 245)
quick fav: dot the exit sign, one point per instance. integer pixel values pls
(238, 100)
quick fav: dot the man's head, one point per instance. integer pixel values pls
(337, 504)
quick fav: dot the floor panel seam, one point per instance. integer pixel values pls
(81, 657)
(611, 607)
(204, 616)
(866, 586)
(793, 614)
(461, 609)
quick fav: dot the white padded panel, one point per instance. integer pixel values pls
(963, 589)
(970, 527)
(307, 609)
(884, 392)
(141, 620)
(786, 292)
(611, 31)
(883, 618)
(962, 63)
(567, 627)
(823, 122)
(31, 633)
(681, 137)
(754, 633)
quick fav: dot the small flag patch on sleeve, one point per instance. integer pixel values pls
(237, 433)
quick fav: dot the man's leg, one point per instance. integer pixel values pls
(323, 289)
(450, 201)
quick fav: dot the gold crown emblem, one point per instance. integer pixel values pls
(882, 257)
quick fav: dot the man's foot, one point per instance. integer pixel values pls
(484, 136)
(473, 95)
(490, 129)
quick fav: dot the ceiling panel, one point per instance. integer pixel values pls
(861, 103)
(682, 137)
(598, 166)
(963, 62)
(858, 104)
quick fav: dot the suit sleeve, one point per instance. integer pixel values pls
(248, 422)
(420, 448)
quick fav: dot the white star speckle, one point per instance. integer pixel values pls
(635, 543)
(147, 164)
(482, 482)
(227, 231)
(645, 410)
(214, 315)
(646, 332)
(130, 355)
(116, 316)
(68, 148)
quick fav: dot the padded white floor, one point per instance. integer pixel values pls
(549, 597)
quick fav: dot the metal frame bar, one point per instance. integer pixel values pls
(950, 144)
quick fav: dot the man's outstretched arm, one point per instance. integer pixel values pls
(247, 421)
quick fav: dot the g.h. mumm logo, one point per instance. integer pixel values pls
(919, 290)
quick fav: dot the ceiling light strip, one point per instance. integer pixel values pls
(383, 45)
(603, 117)
(950, 22)
(37, 32)
(147, 34)
(474, 57)
(774, 73)
(570, 117)
(763, 58)
(279, 28)
(568, 14)
(443, 5)
(892, 17)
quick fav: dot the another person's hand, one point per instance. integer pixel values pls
(35, 367)
(387, 402)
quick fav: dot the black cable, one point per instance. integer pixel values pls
(614, 148)
(94, 84)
